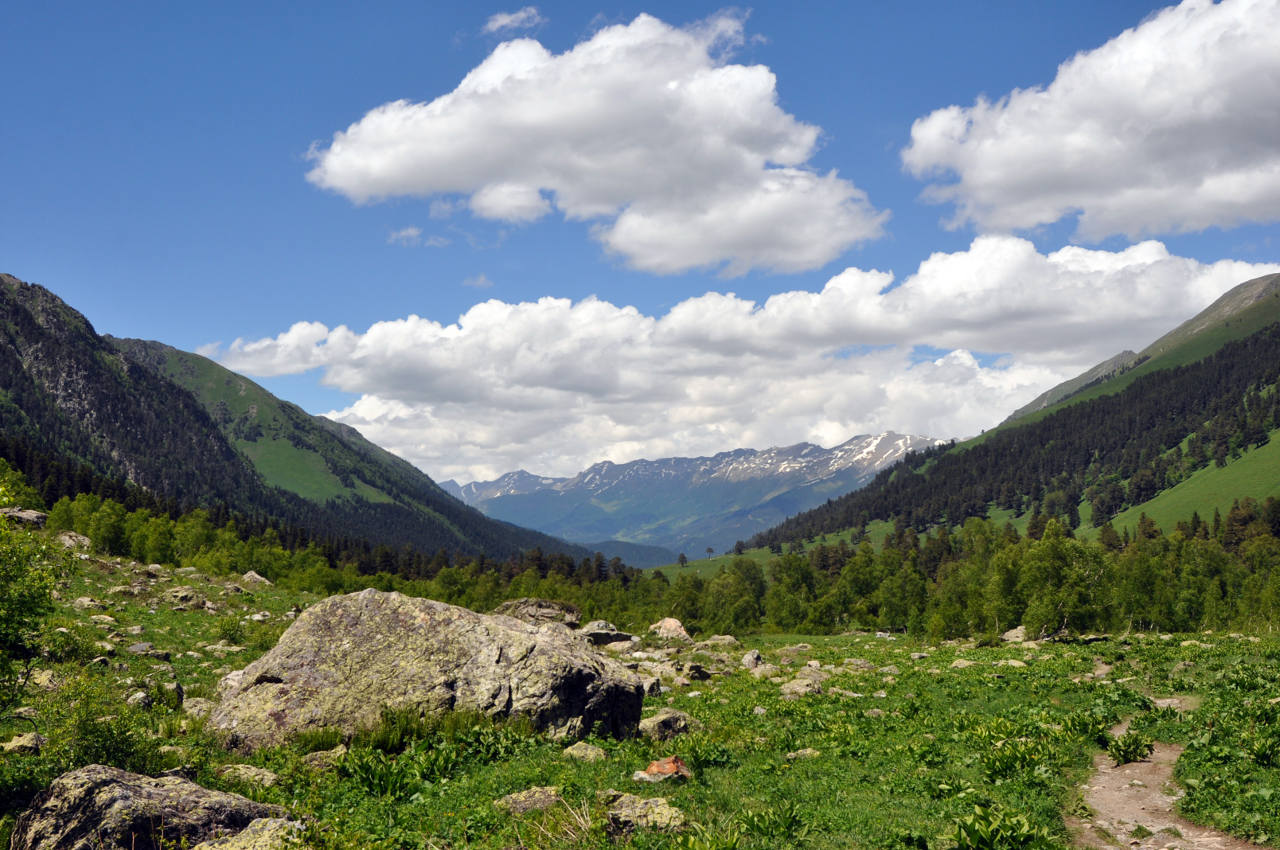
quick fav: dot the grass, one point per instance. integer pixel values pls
(1253, 474)
(912, 752)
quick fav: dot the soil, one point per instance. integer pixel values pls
(1133, 805)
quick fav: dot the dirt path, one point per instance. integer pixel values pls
(1133, 806)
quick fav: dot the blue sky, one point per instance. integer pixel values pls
(171, 170)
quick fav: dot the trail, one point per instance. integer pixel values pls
(1144, 794)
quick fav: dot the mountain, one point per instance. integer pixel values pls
(1238, 313)
(688, 504)
(195, 434)
(1191, 416)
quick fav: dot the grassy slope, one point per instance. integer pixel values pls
(901, 754)
(1254, 474)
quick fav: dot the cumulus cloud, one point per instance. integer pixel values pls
(1169, 127)
(523, 19)
(554, 385)
(675, 157)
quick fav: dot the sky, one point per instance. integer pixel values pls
(538, 237)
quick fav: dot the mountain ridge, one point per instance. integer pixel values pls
(687, 504)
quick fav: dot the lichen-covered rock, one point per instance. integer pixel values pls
(346, 658)
(539, 611)
(24, 516)
(249, 775)
(582, 751)
(629, 813)
(530, 800)
(29, 744)
(262, 834)
(99, 807)
(322, 760)
(602, 632)
(668, 723)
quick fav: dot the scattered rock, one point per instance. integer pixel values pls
(87, 603)
(24, 516)
(1010, 662)
(667, 724)
(325, 759)
(961, 663)
(669, 628)
(346, 658)
(262, 834)
(582, 751)
(765, 671)
(759, 711)
(629, 813)
(752, 659)
(530, 800)
(539, 611)
(42, 679)
(252, 577)
(601, 632)
(725, 641)
(248, 774)
(71, 540)
(140, 699)
(1017, 635)
(660, 770)
(26, 744)
(804, 753)
(182, 596)
(800, 688)
(104, 807)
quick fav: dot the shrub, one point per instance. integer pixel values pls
(1131, 746)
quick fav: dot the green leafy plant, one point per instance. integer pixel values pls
(990, 828)
(1131, 746)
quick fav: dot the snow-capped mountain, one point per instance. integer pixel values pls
(688, 504)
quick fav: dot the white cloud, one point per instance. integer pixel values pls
(523, 19)
(436, 241)
(480, 281)
(405, 236)
(1169, 127)
(677, 158)
(554, 385)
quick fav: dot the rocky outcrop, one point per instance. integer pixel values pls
(346, 658)
(24, 516)
(99, 808)
(539, 611)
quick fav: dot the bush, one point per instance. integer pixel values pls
(26, 597)
(1131, 746)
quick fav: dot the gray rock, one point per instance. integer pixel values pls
(346, 658)
(752, 659)
(667, 724)
(530, 800)
(582, 751)
(539, 611)
(262, 834)
(99, 807)
(601, 632)
(801, 687)
(248, 774)
(197, 707)
(629, 813)
(325, 759)
(804, 753)
(26, 744)
(24, 516)
(252, 577)
(71, 540)
(140, 699)
(669, 628)
(1017, 635)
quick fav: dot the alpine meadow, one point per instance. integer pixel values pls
(665, 427)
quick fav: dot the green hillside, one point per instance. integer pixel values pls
(1255, 474)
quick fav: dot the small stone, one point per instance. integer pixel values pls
(325, 759)
(759, 711)
(752, 659)
(961, 663)
(26, 744)
(248, 774)
(801, 687)
(804, 753)
(530, 800)
(667, 724)
(582, 751)
(252, 577)
(87, 603)
(669, 628)
(140, 699)
(1010, 662)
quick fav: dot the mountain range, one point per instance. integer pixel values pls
(687, 505)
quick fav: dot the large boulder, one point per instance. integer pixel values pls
(346, 658)
(100, 808)
(539, 611)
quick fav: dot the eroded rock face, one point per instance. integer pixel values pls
(347, 657)
(99, 807)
